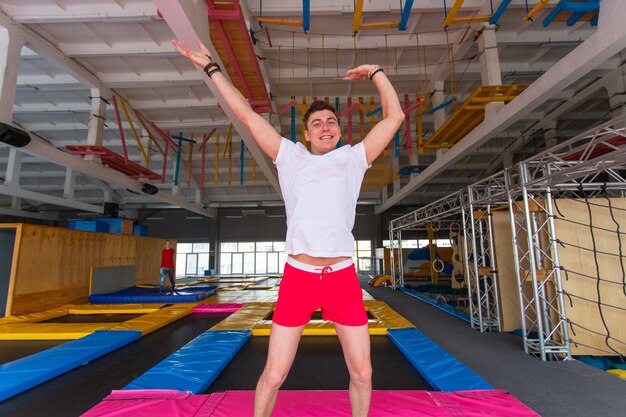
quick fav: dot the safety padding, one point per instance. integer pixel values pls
(440, 369)
(319, 328)
(49, 331)
(53, 313)
(442, 306)
(409, 403)
(246, 317)
(387, 315)
(195, 366)
(152, 295)
(113, 308)
(217, 308)
(25, 373)
(619, 372)
(153, 321)
(78, 309)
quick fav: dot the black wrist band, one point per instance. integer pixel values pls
(213, 71)
(376, 72)
(208, 67)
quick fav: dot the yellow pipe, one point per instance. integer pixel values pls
(470, 19)
(536, 9)
(147, 129)
(217, 159)
(358, 10)
(279, 21)
(452, 14)
(379, 25)
(227, 141)
(420, 126)
(132, 127)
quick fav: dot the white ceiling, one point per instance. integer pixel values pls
(122, 48)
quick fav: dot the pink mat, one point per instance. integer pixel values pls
(216, 308)
(150, 403)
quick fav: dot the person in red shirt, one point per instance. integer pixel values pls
(167, 267)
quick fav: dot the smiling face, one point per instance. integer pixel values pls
(323, 131)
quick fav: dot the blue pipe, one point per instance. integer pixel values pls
(306, 15)
(406, 12)
(180, 146)
(442, 105)
(499, 11)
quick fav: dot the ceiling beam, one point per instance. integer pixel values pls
(609, 39)
(189, 24)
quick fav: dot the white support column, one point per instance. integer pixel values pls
(12, 177)
(70, 183)
(14, 167)
(95, 126)
(615, 86)
(10, 50)
(395, 168)
(439, 117)
(549, 133)
(145, 142)
(490, 65)
(95, 134)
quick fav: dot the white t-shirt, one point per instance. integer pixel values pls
(320, 194)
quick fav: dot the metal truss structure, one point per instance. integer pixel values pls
(480, 261)
(585, 166)
(582, 167)
(436, 215)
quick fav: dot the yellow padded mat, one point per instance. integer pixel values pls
(318, 328)
(246, 317)
(49, 331)
(153, 321)
(387, 315)
(152, 318)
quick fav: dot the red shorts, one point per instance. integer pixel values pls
(337, 293)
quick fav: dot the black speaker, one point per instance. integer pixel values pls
(149, 189)
(13, 136)
(111, 210)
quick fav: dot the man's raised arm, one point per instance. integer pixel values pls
(262, 131)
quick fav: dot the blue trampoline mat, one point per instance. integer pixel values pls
(152, 295)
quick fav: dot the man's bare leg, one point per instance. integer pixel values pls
(355, 342)
(280, 355)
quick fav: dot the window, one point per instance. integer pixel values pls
(252, 257)
(363, 252)
(192, 258)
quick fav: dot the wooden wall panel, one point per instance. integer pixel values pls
(510, 314)
(52, 264)
(584, 311)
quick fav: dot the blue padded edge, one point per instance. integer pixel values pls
(442, 306)
(22, 374)
(152, 295)
(440, 369)
(196, 365)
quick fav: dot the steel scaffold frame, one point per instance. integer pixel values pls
(571, 169)
(480, 261)
(436, 212)
(575, 168)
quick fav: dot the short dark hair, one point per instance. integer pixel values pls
(317, 106)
